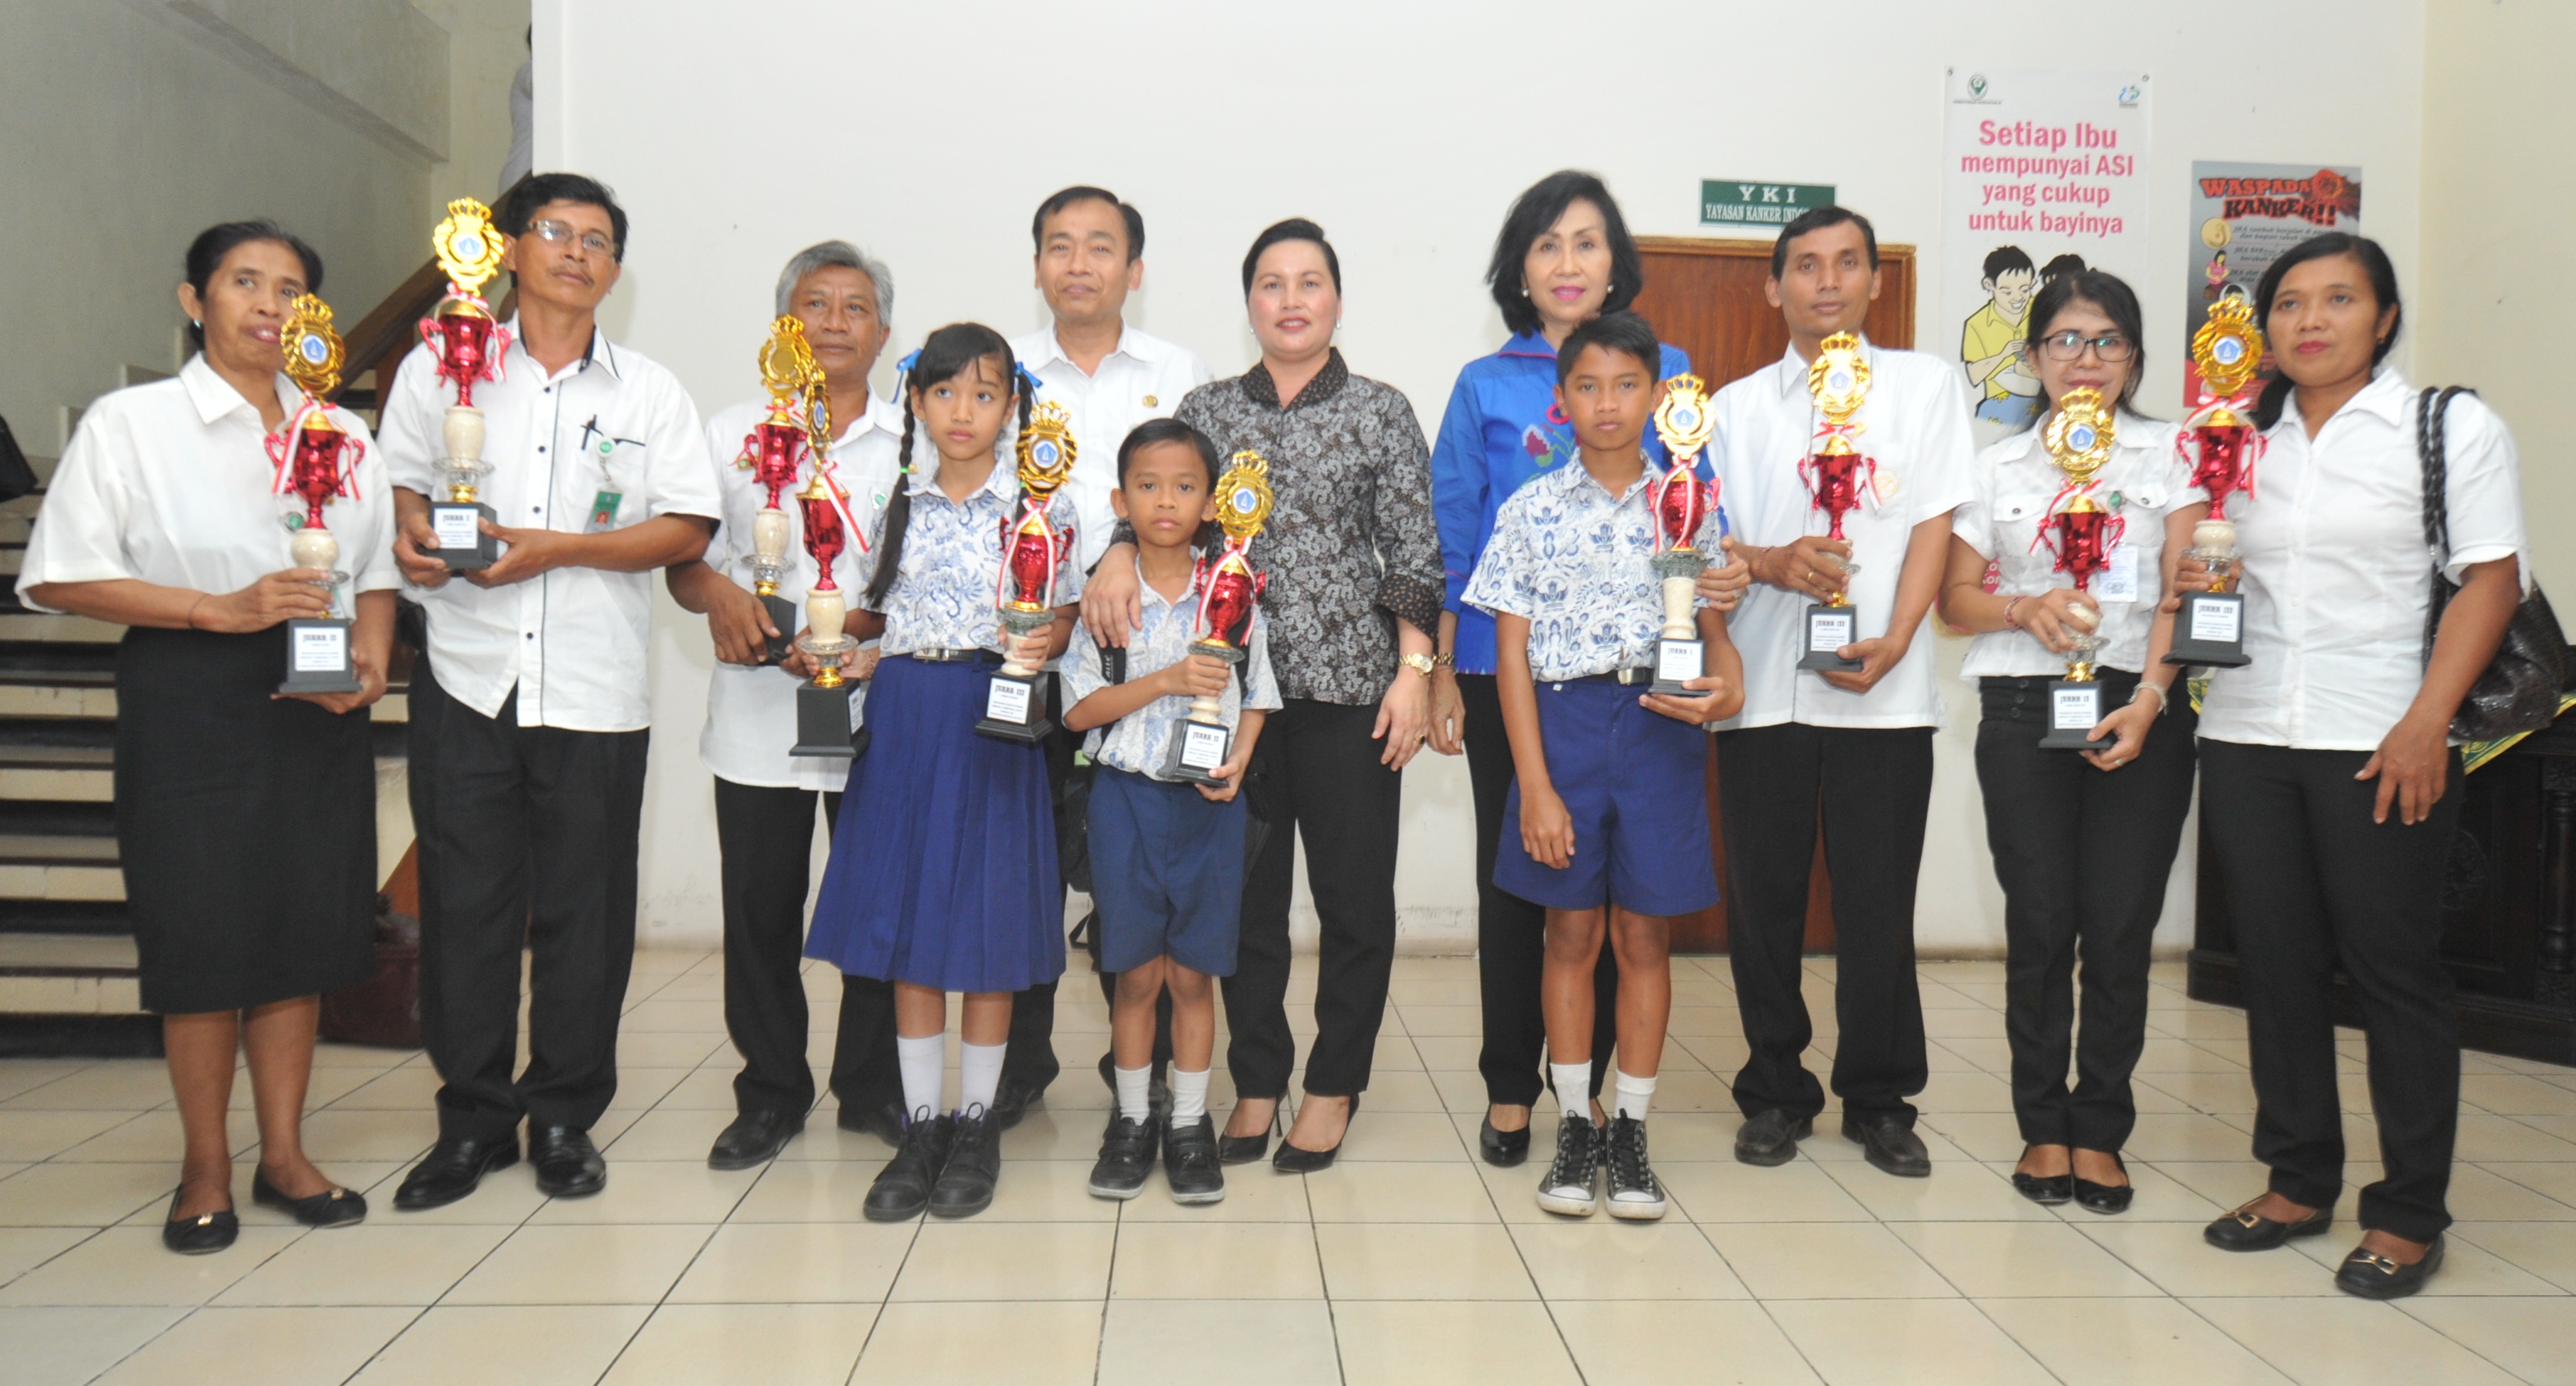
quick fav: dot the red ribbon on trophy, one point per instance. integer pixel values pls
(2219, 441)
(315, 458)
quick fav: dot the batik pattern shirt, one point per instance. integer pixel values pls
(1141, 741)
(944, 588)
(1578, 564)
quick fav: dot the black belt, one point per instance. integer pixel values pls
(1627, 677)
(970, 656)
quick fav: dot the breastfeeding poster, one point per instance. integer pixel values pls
(2244, 216)
(2046, 172)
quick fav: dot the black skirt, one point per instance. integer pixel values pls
(246, 824)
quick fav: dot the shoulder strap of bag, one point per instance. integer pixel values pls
(2432, 446)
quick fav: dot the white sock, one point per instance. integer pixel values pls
(1189, 1097)
(923, 1061)
(1573, 1088)
(1135, 1092)
(979, 1076)
(1634, 1094)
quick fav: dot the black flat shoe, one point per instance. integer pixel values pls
(2373, 1276)
(1502, 1149)
(2243, 1231)
(2047, 1190)
(452, 1169)
(200, 1235)
(333, 1207)
(1243, 1150)
(754, 1139)
(1293, 1159)
(568, 1165)
(1771, 1138)
(883, 1120)
(1890, 1145)
(2105, 1198)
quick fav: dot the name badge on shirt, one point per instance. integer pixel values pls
(603, 511)
(2119, 580)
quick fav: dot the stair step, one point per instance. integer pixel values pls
(64, 629)
(45, 975)
(89, 918)
(60, 867)
(41, 661)
(74, 774)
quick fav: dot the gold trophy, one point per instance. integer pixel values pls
(317, 461)
(2082, 533)
(1680, 503)
(1837, 476)
(468, 346)
(2221, 444)
(1228, 590)
(1033, 552)
(772, 452)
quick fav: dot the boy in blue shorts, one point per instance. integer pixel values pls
(1167, 856)
(1607, 826)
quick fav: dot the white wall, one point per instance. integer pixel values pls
(1406, 130)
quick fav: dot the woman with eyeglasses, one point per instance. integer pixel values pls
(2082, 839)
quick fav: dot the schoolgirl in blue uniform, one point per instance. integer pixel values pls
(943, 873)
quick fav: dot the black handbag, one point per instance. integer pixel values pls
(2518, 690)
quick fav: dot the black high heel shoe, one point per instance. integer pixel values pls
(2105, 1198)
(1293, 1159)
(1243, 1150)
(333, 1207)
(200, 1235)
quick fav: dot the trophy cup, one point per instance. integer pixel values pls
(1033, 550)
(1680, 503)
(1227, 589)
(772, 451)
(317, 461)
(2221, 445)
(1836, 475)
(2082, 534)
(469, 346)
(823, 701)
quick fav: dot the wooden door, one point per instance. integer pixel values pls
(1705, 296)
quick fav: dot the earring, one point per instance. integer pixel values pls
(192, 322)
(1525, 291)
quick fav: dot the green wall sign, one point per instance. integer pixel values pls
(1743, 202)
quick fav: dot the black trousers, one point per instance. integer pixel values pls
(2082, 855)
(2315, 887)
(1316, 773)
(1874, 785)
(1511, 933)
(527, 840)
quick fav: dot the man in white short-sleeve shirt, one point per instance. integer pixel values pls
(530, 706)
(1860, 742)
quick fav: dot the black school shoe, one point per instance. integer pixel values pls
(902, 1188)
(974, 1167)
(754, 1138)
(2242, 1230)
(1771, 1138)
(1890, 1145)
(1190, 1162)
(1126, 1157)
(2373, 1276)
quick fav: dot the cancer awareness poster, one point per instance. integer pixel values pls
(2244, 216)
(2046, 172)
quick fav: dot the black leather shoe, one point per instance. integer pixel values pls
(754, 1138)
(201, 1235)
(1771, 1138)
(902, 1188)
(1190, 1163)
(1011, 1102)
(884, 1120)
(333, 1207)
(1891, 1145)
(2373, 1276)
(2047, 1190)
(1293, 1159)
(2243, 1231)
(568, 1165)
(1127, 1150)
(1243, 1150)
(974, 1167)
(2105, 1198)
(452, 1169)
(1502, 1149)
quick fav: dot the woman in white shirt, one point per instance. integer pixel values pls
(2331, 793)
(246, 821)
(2082, 839)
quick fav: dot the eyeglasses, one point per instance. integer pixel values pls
(554, 232)
(2066, 346)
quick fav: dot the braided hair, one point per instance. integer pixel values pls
(948, 353)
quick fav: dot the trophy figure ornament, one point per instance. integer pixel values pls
(1228, 591)
(1033, 553)
(1838, 476)
(1680, 503)
(2083, 533)
(823, 701)
(2221, 445)
(317, 462)
(469, 346)
(773, 451)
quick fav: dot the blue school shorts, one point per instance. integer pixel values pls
(1166, 872)
(1635, 784)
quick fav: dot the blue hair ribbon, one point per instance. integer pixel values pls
(904, 366)
(1028, 381)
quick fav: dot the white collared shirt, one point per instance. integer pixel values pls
(572, 641)
(1915, 426)
(1143, 379)
(751, 711)
(170, 483)
(2017, 488)
(2337, 579)
(949, 577)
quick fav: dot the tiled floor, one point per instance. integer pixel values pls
(1410, 1262)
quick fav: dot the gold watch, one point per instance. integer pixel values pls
(1418, 663)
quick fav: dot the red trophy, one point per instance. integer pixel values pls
(1680, 503)
(468, 346)
(1033, 552)
(773, 450)
(1838, 476)
(823, 701)
(317, 461)
(2221, 445)
(1228, 589)
(2082, 534)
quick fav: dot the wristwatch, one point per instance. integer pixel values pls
(1418, 663)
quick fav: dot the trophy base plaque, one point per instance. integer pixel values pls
(1828, 629)
(782, 614)
(462, 544)
(1198, 749)
(2074, 709)
(1013, 711)
(823, 722)
(317, 658)
(2210, 631)
(1677, 662)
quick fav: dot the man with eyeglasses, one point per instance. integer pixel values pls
(530, 704)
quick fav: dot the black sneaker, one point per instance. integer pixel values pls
(974, 1166)
(1190, 1162)
(1126, 1157)
(1634, 1194)
(1568, 1187)
(902, 1188)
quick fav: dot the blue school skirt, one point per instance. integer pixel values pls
(943, 870)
